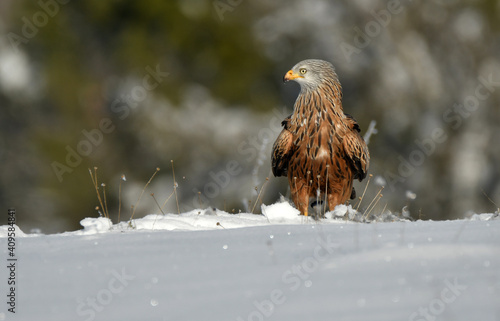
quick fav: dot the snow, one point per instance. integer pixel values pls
(212, 265)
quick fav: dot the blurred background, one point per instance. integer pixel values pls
(130, 86)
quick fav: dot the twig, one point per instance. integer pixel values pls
(326, 190)
(97, 187)
(318, 198)
(154, 222)
(98, 211)
(140, 196)
(123, 179)
(295, 185)
(362, 196)
(383, 210)
(256, 188)
(373, 200)
(258, 196)
(498, 207)
(175, 187)
(357, 203)
(94, 182)
(368, 214)
(165, 203)
(201, 204)
(95, 175)
(153, 195)
(308, 191)
(105, 209)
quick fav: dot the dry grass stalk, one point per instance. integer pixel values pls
(123, 179)
(326, 191)
(489, 199)
(105, 201)
(260, 193)
(376, 202)
(165, 203)
(98, 211)
(154, 198)
(175, 187)
(93, 177)
(134, 207)
(366, 187)
(373, 200)
(199, 200)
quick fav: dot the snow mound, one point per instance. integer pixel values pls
(485, 217)
(4, 231)
(341, 211)
(207, 219)
(281, 213)
(203, 219)
(95, 225)
(211, 219)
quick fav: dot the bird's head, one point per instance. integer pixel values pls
(311, 73)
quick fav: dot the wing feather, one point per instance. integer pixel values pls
(356, 149)
(282, 150)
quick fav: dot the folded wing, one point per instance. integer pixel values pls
(356, 149)
(282, 150)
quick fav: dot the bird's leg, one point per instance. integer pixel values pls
(303, 200)
(300, 196)
(304, 195)
(333, 200)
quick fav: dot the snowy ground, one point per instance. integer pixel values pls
(217, 266)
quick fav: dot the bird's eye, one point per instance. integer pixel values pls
(303, 70)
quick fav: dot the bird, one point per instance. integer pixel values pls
(320, 148)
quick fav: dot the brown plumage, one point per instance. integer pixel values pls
(319, 149)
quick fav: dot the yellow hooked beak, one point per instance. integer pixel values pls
(290, 75)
